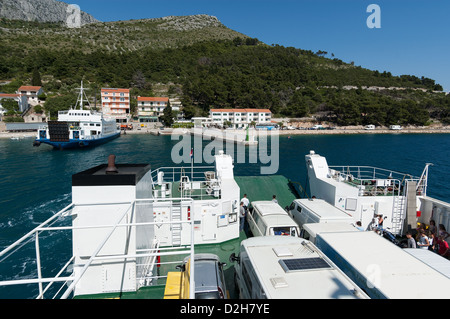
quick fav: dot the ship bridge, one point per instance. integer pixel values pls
(365, 192)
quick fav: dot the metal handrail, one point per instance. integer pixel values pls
(34, 235)
(375, 172)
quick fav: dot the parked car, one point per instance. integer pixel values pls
(209, 276)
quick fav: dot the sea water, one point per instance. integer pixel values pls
(35, 182)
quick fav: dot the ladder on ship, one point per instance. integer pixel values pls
(398, 214)
(176, 227)
(404, 209)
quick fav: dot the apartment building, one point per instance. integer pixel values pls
(116, 104)
(240, 118)
(150, 109)
(31, 92)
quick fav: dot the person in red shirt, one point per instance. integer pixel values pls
(443, 247)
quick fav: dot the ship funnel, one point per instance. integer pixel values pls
(112, 169)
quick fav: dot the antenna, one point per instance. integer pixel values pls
(80, 101)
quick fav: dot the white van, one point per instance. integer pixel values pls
(307, 211)
(269, 219)
(276, 267)
(310, 231)
(369, 127)
(395, 127)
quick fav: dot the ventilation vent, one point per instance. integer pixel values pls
(282, 251)
(279, 282)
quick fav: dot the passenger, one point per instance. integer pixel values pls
(373, 225)
(274, 199)
(411, 243)
(443, 247)
(443, 232)
(246, 202)
(359, 226)
(433, 242)
(423, 240)
(380, 224)
(242, 214)
(418, 231)
(432, 228)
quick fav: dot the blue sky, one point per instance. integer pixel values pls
(414, 37)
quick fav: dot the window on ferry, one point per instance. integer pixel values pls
(283, 231)
(97, 124)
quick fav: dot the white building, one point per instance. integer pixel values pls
(240, 117)
(150, 109)
(31, 92)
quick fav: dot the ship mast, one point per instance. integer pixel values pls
(80, 101)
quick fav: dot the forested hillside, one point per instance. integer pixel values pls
(212, 66)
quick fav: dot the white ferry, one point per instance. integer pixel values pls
(77, 128)
(130, 226)
(365, 192)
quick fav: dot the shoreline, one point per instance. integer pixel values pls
(337, 131)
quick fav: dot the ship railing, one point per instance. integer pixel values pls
(197, 182)
(149, 255)
(373, 181)
(28, 238)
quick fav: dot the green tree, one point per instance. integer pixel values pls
(36, 78)
(168, 115)
(59, 103)
(11, 106)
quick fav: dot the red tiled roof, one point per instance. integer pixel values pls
(116, 90)
(9, 95)
(29, 88)
(241, 110)
(153, 99)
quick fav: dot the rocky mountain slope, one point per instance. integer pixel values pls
(39, 10)
(117, 36)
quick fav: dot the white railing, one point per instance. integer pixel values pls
(373, 181)
(72, 280)
(197, 182)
